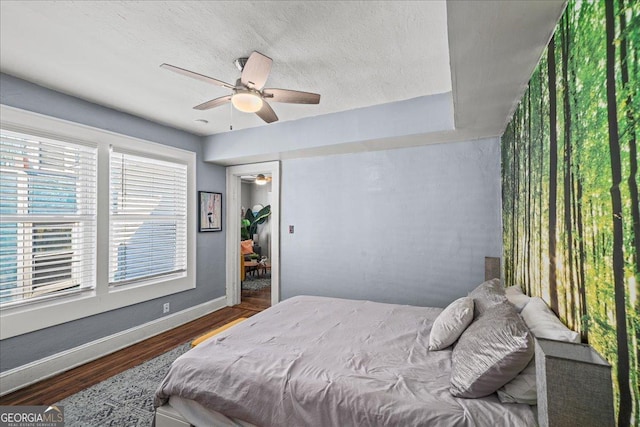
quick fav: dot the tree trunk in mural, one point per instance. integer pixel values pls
(527, 282)
(637, 247)
(514, 189)
(584, 330)
(624, 410)
(541, 184)
(567, 165)
(553, 173)
(633, 170)
(633, 150)
(516, 168)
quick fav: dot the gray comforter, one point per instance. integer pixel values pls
(314, 361)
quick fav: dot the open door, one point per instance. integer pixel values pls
(233, 226)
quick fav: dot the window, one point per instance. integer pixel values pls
(47, 218)
(148, 218)
(90, 221)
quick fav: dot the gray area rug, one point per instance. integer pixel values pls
(123, 400)
(253, 283)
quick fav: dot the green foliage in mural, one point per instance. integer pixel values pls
(570, 186)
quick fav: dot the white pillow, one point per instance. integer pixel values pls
(451, 323)
(545, 324)
(517, 297)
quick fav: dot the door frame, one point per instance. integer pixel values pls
(233, 207)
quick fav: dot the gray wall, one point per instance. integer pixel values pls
(245, 195)
(407, 226)
(26, 348)
(358, 129)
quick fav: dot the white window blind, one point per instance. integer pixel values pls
(148, 218)
(47, 218)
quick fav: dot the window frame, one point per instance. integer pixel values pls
(32, 316)
(30, 221)
(120, 216)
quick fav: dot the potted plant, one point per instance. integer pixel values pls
(249, 225)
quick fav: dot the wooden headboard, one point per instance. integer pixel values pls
(491, 268)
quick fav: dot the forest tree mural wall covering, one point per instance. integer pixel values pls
(570, 186)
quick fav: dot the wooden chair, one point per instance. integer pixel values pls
(242, 272)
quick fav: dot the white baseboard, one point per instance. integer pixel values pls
(39, 370)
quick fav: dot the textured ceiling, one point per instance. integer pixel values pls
(355, 54)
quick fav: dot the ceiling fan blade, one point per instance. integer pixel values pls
(196, 76)
(213, 103)
(266, 113)
(291, 96)
(256, 71)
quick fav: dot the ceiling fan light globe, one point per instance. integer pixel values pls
(261, 180)
(247, 102)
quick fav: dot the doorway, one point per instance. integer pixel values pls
(267, 239)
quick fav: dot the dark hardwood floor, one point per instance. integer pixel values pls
(56, 388)
(258, 300)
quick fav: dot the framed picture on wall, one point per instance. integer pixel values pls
(210, 212)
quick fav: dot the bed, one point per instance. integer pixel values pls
(318, 361)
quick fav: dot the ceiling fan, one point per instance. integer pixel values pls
(248, 94)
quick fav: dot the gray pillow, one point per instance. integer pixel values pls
(487, 295)
(543, 324)
(490, 352)
(451, 323)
